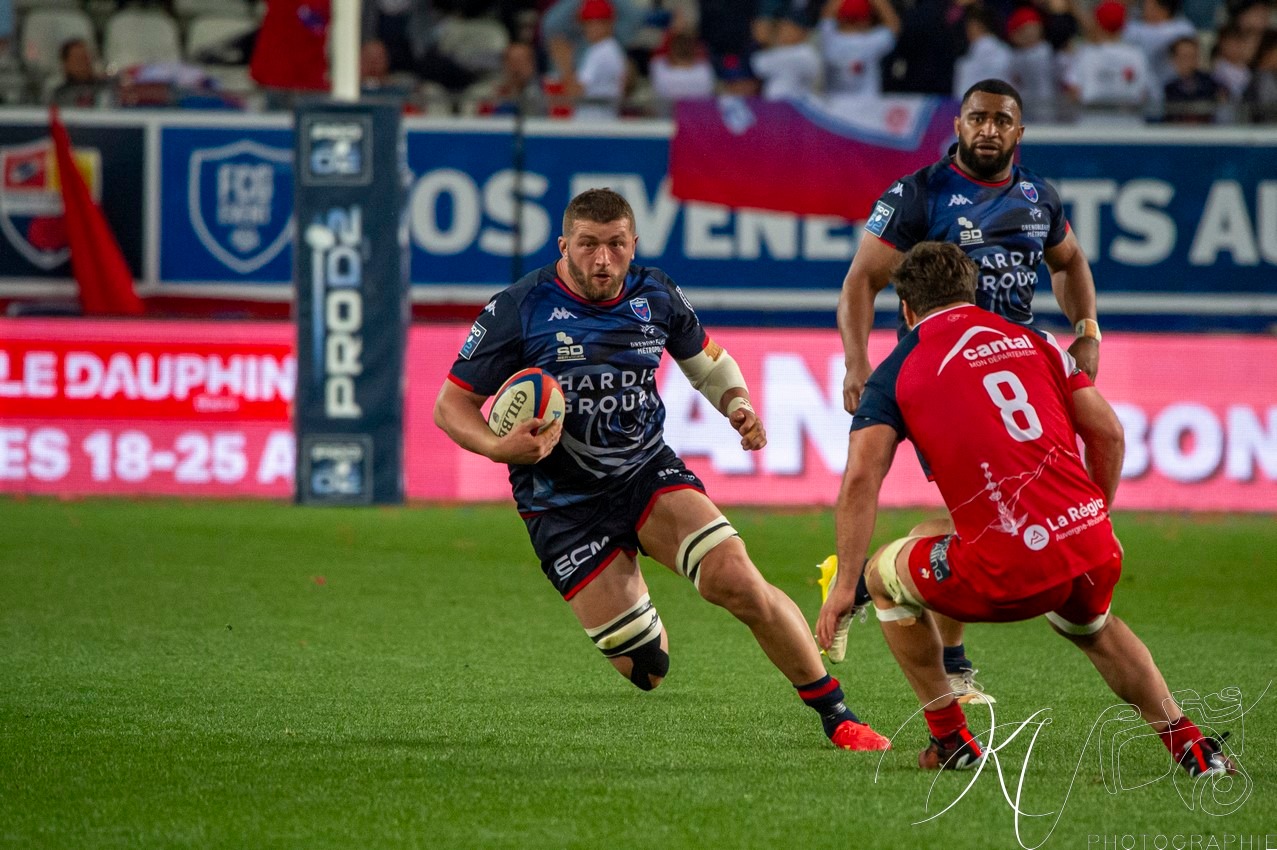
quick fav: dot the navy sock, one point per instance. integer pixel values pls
(826, 697)
(955, 659)
(862, 590)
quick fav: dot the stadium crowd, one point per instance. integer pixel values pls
(1182, 61)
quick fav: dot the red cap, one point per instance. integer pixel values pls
(854, 10)
(1021, 17)
(1110, 15)
(596, 10)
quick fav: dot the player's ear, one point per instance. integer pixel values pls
(563, 246)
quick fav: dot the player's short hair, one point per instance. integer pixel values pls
(934, 274)
(994, 86)
(597, 205)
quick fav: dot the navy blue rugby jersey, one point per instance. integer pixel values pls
(1004, 227)
(604, 354)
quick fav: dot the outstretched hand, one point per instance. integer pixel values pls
(524, 445)
(746, 422)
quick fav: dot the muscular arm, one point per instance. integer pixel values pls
(869, 455)
(715, 374)
(1101, 431)
(870, 272)
(458, 413)
(1074, 289)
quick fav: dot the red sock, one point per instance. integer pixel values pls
(1180, 735)
(945, 721)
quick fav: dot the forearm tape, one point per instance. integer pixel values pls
(712, 371)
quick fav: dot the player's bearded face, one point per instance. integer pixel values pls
(598, 257)
(988, 131)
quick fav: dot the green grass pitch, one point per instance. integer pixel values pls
(254, 675)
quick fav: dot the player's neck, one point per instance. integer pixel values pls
(944, 308)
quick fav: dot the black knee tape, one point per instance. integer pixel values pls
(649, 660)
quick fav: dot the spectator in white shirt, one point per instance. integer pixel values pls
(854, 36)
(987, 57)
(1160, 26)
(1109, 78)
(1231, 59)
(599, 82)
(791, 68)
(683, 72)
(1033, 67)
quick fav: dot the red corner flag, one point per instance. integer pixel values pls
(106, 284)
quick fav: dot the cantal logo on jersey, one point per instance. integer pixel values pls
(877, 222)
(568, 349)
(975, 352)
(560, 313)
(641, 309)
(970, 235)
(959, 201)
(1030, 191)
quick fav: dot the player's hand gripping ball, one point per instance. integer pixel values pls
(527, 394)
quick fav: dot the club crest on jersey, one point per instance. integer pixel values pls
(877, 222)
(1030, 191)
(641, 309)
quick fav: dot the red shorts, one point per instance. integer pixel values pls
(1079, 600)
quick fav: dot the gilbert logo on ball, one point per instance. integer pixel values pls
(527, 394)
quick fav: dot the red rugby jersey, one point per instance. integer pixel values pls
(989, 405)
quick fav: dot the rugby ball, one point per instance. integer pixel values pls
(527, 394)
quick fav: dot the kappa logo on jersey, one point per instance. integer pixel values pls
(560, 313)
(472, 340)
(971, 235)
(568, 349)
(877, 222)
(898, 189)
(1030, 191)
(959, 201)
(641, 309)
(31, 199)
(240, 199)
(491, 307)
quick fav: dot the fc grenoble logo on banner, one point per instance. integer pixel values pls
(240, 201)
(31, 199)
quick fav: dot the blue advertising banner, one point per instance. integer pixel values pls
(1160, 212)
(1167, 218)
(226, 205)
(33, 240)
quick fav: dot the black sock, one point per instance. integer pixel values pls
(826, 697)
(862, 590)
(955, 659)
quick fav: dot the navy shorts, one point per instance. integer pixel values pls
(577, 542)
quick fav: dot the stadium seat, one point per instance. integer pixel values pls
(222, 8)
(45, 30)
(137, 36)
(476, 44)
(210, 31)
(20, 6)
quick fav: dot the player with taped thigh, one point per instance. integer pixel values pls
(602, 486)
(1031, 535)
